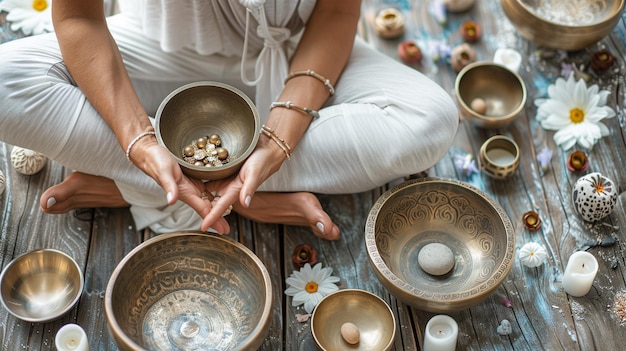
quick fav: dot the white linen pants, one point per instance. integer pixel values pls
(385, 121)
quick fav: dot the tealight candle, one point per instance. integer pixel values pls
(71, 337)
(440, 334)
(579, 274)
(509, 58)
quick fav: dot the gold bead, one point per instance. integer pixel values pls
(201, 143)
(199, 163)
(215, 139)
(188, 151)
(222, 153)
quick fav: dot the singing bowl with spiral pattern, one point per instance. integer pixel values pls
(468, 221)
(564, 24)
(204, 108)
(41, 285)
(189, 291)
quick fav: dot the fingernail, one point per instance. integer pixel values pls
(169, 197)
(51, 201)
(248, 200)
(320, 226)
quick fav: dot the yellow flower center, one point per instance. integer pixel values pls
(311, 287)
(576, 115)
(40, 5)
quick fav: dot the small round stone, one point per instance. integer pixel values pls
(436, 259)
(350, 333)
(479, 106)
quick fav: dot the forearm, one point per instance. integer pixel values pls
(93, 59)
(325, 48)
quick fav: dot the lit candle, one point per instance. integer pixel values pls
(440, 334)
(71, 337)
(579, 274)
(509, 58)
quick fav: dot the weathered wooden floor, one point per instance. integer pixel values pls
(542, 315)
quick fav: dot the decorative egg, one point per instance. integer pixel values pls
(532, 254)
(350, 333)
(594, 196)
(3, 183)
(27, 161)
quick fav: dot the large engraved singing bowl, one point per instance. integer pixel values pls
(368, 312)
(201, 109)
(429, 210)
(564, 24)
(41, 285)
(502, 90)
(189, 291)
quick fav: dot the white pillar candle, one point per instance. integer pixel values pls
(440, 334)
(509, 58)
(579, 274)
(71, 337)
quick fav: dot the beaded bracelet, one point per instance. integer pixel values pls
(134, 141)
(269, 132)
(288, 104)
(312, 73)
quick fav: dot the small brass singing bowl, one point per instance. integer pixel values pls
(202, 109)
(41, 285)
(369, 313)
(500, 91)
(571, 27)
(499, 157)
(189, 291)
(424, 211)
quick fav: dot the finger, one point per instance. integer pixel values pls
(220, 205)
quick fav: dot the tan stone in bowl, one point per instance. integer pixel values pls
(430, 210)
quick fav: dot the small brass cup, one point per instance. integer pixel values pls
(499, 157)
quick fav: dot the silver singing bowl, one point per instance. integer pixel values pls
(41, 285)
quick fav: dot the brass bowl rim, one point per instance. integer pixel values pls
(108, 307)
(207, 83)
(69, 306)
(361, 291)
(504, 267)
(512, 115)
(609, 18)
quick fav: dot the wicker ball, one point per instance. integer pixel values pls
(27, 161)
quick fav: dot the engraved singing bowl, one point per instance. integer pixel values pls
(430, 210)
(564, 24)
(41, 285)
(189, 291)
(201, 109)
(371, 315)
(503, 91)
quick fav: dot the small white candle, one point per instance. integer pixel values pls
(579, 274)
(440, 334)
(509, 58)
(71, 337)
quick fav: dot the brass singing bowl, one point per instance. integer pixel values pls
(502, 90)
(41, 285)
(201, 109)
(189, 291)
(569, 25)
(372, 316)
(450, 212)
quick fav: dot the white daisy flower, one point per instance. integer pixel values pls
(31, 16)
(575, 112)
(309, 285)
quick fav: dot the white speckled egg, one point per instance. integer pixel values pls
(532, 254)
(27, 161)
(3, 183)
(594, 196)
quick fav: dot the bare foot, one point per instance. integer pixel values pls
(300, 209)
(81, 190)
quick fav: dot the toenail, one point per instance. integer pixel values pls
(320, 227)
(51, 201)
